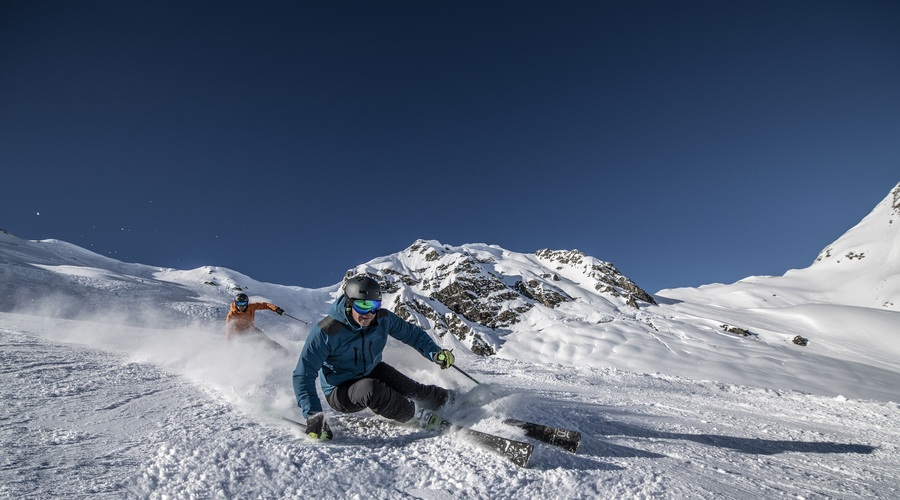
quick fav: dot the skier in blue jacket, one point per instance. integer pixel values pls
(344, 351)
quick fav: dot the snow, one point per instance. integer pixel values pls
(116, 382)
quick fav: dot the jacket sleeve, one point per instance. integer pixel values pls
(412, 336)
(313, 356)
(256, 306)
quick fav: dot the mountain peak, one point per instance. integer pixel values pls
(478, 291)
(877, 235)
(861, 268)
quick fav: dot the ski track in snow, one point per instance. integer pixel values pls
(80, 420)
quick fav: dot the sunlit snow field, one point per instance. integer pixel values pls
(116, 382)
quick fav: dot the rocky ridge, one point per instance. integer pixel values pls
(469, 293)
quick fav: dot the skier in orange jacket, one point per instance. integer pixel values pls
(241, 315)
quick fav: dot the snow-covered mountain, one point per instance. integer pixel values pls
(553, 306)
(124, 365)
(860, 269)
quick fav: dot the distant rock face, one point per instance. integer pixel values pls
(896, 205)
(609, 279)
(462, 290)
(542, 292)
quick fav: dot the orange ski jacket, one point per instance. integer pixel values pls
(238, 322)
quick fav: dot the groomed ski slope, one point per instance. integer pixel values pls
(101, 411)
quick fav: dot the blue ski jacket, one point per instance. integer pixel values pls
(338, 350)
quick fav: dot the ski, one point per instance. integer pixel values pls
(516, 452)
(566, 439)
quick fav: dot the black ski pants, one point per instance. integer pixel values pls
(388, 393)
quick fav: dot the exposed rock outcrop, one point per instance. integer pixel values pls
(472, 293)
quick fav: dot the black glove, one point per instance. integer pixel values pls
(279, 310)
(317, 428)
(445, 358)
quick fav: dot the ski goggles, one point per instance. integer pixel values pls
(366, 306)
(242, 303)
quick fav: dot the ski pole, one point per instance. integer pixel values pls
(466, 374)
(298, 319)
(298, 424)
(493, 392)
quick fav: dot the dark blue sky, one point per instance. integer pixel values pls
(685, 142)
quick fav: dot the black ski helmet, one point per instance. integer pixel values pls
(362, 288)
(242, 297)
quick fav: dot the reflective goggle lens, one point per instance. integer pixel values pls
(241, 304)
(366, 306)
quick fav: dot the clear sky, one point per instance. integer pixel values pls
(685, 142)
